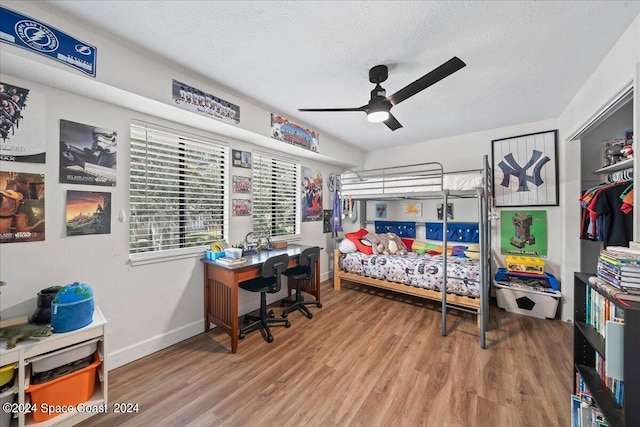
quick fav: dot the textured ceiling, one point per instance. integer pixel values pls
(525, 60)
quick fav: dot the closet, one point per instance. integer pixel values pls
(611, 125)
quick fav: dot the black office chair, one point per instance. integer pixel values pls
(305, 270)
(270, 282)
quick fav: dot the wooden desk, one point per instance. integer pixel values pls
(221, 288)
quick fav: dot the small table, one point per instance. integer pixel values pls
(221, 287)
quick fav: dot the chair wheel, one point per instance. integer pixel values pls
(271, 314)
(269, 338)
(241, 335)
(284, 315)
(310, 316)
(287, 324)
(319, 305)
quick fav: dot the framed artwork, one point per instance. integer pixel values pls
(440, 211)
(88, 212)
(311, 195)
(241, 184)
(21, 207)
(292, 133)
(88, 154)
(381, 210)
(412, 209)
(523, 233)
(22, 129)
(241, 159)
(198, 101)
(241, 207)
(525, 170)
(326, 220)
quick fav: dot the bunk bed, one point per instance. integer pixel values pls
(422, 182)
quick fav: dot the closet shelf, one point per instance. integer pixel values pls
(616, 167)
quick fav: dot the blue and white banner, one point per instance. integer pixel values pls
(27, 33)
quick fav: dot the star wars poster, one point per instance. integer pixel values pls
(21, 207)
(22, 125)
(88, 212)
(523, 233)
(88, 154)
(311, 195)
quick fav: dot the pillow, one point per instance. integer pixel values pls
(357, 237)
(408, 243)
(346, 246)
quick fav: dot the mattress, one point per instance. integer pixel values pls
(419, 270)
(352, 185)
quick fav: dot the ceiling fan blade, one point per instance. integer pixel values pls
(446, 69)
(333, 109)
(392, 123)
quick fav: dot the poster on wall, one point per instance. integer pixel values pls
(35, 36)
(523, 233)
(22, 125)
(525, 170)
(311, 195)
(241, 207)
(241, 159)
(412, 209)
(195, 100)
(88, 212)
(292, 133)
(88, 154)
(381, 210)
(241, 184)
(21, 207)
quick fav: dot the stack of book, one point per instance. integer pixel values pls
(619, 267)
(229, 261)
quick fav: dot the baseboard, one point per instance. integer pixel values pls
(137, 351)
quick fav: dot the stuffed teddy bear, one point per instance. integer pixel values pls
(387, 244)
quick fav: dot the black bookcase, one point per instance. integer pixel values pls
(587, 342)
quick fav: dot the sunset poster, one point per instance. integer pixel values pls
(88, 212)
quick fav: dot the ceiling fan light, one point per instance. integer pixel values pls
(377, 116)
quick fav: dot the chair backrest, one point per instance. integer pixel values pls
(273, 267)
(308, 258)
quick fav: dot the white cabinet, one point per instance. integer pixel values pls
(34, 350)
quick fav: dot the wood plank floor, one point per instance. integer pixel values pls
(367, 358)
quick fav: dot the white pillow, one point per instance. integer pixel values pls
(346, 246)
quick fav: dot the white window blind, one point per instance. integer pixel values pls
(178, 194)
(276, 201)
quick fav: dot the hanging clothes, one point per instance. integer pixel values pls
(336, 215)
(606, 216)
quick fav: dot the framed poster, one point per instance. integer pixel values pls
(311, 195)
(88, 212)
(241, 184)
(525, 170)
(412, 209)
(22, 129)
(381, 210)
(88, 154)
(241, 159)
(22, 207)
(292, 133)
(201, 102)
(523, 233)
(241, 207)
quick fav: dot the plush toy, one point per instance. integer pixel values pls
(387, 244)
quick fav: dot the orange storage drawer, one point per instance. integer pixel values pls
(68, 390)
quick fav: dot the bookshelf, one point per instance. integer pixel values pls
(588, 343)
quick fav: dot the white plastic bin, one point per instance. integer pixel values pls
(529, 302)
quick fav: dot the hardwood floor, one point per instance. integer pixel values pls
(367, 358)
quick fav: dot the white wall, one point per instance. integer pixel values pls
(148, 306)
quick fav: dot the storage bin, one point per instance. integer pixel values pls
(6, 374)
(542, 305)
(68, 390)
(6, 397)
(62, 357)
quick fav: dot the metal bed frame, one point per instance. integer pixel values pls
(420, 182)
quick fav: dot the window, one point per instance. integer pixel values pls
(276, 201)
(177, 192)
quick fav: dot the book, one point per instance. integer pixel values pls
(225, 260)
(620, 268)
(614, 291)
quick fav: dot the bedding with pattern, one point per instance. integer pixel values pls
(420, 270)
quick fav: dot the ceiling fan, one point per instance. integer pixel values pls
(379, 107)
